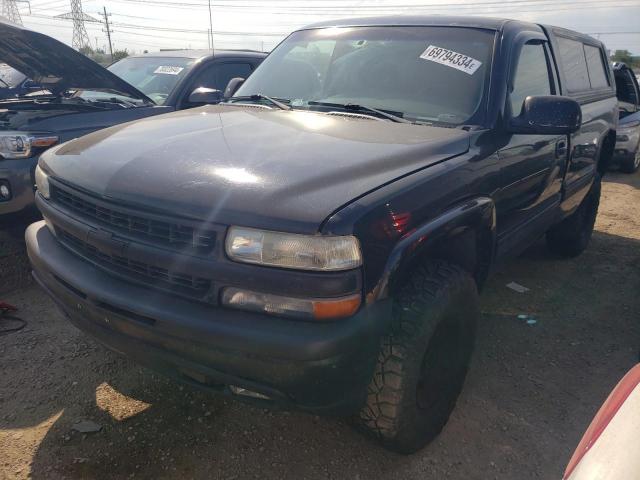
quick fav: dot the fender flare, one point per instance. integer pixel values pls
(477, 213)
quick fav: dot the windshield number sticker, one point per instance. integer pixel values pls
(452, 59)
(167, 70)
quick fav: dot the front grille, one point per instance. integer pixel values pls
(138, 225)
(146, 274)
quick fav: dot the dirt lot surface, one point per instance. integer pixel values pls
(531, 391)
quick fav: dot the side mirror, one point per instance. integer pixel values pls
(233, 86)
(30, 84)
(547, 115)
(203, 95)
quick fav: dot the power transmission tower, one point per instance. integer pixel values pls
(9, 10)
(107, 30)
(80, 36)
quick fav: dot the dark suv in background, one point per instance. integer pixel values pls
(14, 83)
(75, 96)
(318, 241)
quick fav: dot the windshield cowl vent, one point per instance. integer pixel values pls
(355, 115)
(250, 105)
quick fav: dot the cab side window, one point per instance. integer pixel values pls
(531, 77)
(218, 75)
(227, 71)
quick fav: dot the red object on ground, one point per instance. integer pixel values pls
(7, 307)
(606, 413)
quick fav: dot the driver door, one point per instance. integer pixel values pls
(531, 166)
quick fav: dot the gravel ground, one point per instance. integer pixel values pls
(530, 393)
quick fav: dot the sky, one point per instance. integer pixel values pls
(151, 25)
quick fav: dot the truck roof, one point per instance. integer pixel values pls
(202, 53)
(415, 20)
(489, 23)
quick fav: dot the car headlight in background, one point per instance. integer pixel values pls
(629, 125)
(42, 182)
(5, 191)
(287, 250)
(21, 145)
(626, 130)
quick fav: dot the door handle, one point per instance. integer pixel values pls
(561, 148)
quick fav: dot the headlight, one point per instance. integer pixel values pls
(286, 250)
(21, 145)
(42, 182)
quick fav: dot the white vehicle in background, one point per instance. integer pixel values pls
(627, 151)
(610, 448)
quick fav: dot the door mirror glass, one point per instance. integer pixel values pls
(30, 84)
(233, 86)
(547, 115)
(204, 95)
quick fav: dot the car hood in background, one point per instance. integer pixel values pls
(286, 170)
(54, 65)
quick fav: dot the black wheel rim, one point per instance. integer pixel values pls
(442, 361)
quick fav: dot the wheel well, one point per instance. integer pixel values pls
(469, 248)
(606, 152)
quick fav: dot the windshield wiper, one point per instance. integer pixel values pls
(258, 96)
(118, 101)
(362, 108)
(8, 86)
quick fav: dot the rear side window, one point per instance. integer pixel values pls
(575, 65)
(532, 76)
(595, 65)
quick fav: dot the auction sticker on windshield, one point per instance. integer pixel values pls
(168, 70)
(452, 59)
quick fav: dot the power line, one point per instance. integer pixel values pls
(136, 26)
(362, 8)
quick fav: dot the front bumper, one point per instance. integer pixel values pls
(18, 174)
(318, 367)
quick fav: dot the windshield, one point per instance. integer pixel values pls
(428, 74)
(156, 77)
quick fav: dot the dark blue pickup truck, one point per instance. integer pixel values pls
(70, 95)
(318, 240)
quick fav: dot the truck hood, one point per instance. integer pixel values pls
(284, 170)
(54, 65)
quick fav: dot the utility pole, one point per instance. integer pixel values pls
(108, 30)
(211, 28)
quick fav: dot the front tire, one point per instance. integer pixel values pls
(424, 358)
(571, 237)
